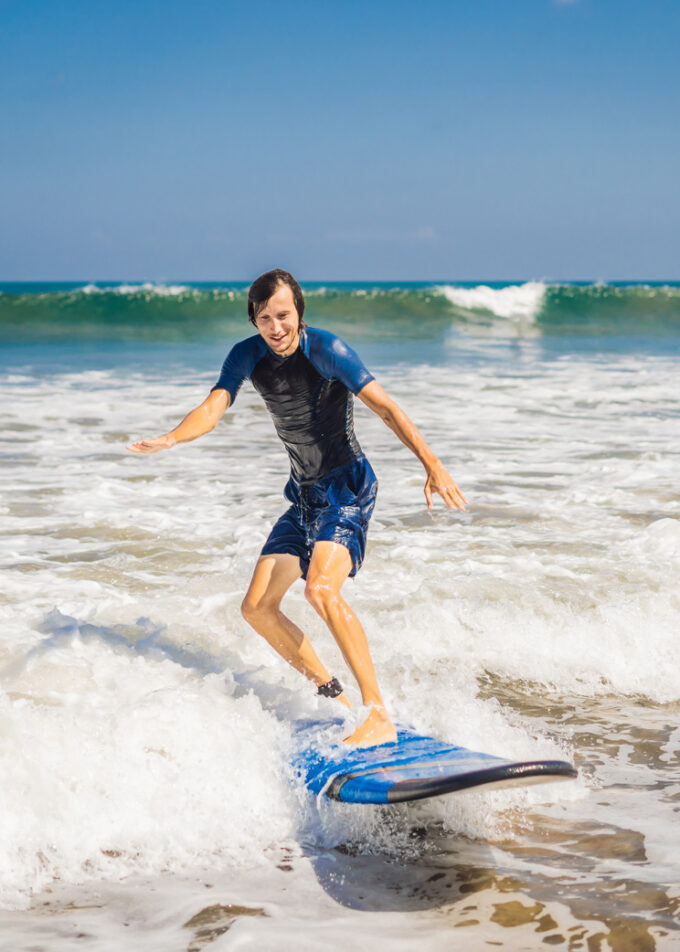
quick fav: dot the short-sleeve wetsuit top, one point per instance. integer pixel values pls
(309, 395)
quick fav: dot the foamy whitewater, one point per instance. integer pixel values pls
(146, 733)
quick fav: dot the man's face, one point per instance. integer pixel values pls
(278, 322)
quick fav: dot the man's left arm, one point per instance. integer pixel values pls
(438, 479)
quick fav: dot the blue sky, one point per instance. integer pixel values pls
(212, 140)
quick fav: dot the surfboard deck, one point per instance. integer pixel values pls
(413, 768)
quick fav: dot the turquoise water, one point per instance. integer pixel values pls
(103, 311)
(72, 325)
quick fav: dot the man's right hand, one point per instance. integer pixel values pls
(152, 446)
(201, 420)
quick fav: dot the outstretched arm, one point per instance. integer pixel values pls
(201, 420)
(438, 479)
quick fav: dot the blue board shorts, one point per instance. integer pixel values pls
(336, 508)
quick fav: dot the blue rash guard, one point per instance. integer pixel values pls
(309, 394)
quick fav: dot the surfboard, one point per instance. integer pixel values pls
(412, 768)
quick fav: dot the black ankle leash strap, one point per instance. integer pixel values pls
(331, 689)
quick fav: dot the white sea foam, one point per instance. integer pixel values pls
(146, 728)
(515, 301)
(146, 287)
(112, 760)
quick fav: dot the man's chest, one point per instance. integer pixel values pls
(295, 377)
(295, 386)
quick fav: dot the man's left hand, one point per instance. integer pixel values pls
(439, 481)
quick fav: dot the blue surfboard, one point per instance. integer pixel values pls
(412, 768)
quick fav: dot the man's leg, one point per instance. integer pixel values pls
(273, 576)
(330, 565)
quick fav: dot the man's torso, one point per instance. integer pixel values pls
(309, 395)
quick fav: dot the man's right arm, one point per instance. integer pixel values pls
(201, 420)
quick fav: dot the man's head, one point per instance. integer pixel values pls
(276, 307)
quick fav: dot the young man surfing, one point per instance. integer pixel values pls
(307, 378)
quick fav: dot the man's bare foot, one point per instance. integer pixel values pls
(376, 729)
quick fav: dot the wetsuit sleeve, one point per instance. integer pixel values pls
(238, 365)
(335, 360)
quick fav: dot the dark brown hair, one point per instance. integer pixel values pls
(267, 284)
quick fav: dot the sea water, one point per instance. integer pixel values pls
(146, 733)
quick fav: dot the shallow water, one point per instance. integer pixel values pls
(146, 732)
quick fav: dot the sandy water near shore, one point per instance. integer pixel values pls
(574, 874)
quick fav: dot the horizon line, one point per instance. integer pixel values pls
(396, 281)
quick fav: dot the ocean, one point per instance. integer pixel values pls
(146, 733)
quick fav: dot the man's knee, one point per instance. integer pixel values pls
(254, 608)
(248, 608)
(320, 593)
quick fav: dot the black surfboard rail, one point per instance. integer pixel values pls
(505, 775)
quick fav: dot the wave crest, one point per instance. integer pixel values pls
(516, 301)
(182, 311)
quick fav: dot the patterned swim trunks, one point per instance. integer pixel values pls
(335, 508)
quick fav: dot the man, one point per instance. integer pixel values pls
(307, 378)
